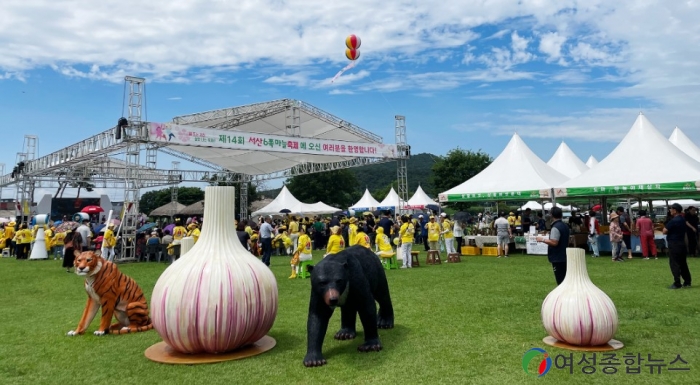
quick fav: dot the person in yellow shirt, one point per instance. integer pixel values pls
(406, 233)
(302, 252)
(193, 231)
(179, 231)
(3, 241)
(511, 221)
(352, 231)
(336, 243)
(433, 233)
(23, 238)
(48, 238)
(58, 245)
(447, 234)
(10, 237)
(294, 231)
(109, 241)
(383, 244)
(362, 239)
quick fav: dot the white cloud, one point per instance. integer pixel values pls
(175, 98)
(340, 92)
(652, 48)
(550, 45)
(299, 79)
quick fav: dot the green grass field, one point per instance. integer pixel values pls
(465, 323)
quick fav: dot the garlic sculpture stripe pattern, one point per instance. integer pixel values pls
(576, 311)
(217, 297)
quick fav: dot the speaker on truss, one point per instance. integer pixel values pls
(121, 123)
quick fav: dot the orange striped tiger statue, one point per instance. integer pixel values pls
(116, 293)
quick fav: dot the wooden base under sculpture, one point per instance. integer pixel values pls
(610, 346)
(163, 353)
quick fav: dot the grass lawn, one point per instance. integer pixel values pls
(466, 323)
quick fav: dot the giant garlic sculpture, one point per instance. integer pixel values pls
(217, 297)
(577, 312)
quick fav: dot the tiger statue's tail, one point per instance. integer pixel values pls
(132, 329)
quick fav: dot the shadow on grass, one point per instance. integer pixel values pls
(391, 339)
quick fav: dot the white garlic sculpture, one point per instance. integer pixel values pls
(577, 312)
(217, 296)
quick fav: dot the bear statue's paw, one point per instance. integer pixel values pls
(385, 323)
(99, 332)
(370, 346)
(345, 334)
(312, 360)
(72, 333)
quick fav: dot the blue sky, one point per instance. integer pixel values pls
(464, 73)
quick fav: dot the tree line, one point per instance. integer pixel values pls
(342, 188)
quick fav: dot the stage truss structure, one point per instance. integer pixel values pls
(96, 159)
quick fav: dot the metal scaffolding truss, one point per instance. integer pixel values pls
(229, 118)
(93, 160)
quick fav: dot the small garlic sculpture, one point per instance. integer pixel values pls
(577, 312)
(216, 297)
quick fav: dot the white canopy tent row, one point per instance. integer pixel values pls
(591, 162)
(535, 206)
(644, 164)
(516, 174)
(286, 201)
(680, 140)
(420, 200)
(366, 203)
(566, 162)
(391, 201)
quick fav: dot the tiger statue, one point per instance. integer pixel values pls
(105, 285)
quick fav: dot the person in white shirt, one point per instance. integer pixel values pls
(85, 234)
(503, 234)
(266, 240)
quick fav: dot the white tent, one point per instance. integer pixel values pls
(317, 208)
(683, 202)
(532, 205)
(366, 203)
(419, 200)
(566, 162)
(591, 162)
(680, 140)
(286, 201)
(644, 162)
(516, 174)
(391, 201)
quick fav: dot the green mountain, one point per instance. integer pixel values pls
(378, 177)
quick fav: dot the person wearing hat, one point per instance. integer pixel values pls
(556, 244)
(352, 231)
(675, 231)
(23, 238)
(193, 231)
(9, 236)
(302, 251)
(616, 237)
(433, 229)
(110, 241)
(336, 243)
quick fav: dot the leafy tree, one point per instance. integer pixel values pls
(457, 167)
(337, 188)
(153, 199)
(381, 193)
